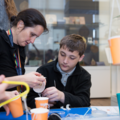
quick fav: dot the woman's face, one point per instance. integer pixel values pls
(28, 35)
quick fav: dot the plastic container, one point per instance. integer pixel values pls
(40, 88)
(99, 113)
(93, 118)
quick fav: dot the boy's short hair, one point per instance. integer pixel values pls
(74, 42)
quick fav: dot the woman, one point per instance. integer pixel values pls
(26, 27)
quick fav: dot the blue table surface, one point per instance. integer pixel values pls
(61, 112)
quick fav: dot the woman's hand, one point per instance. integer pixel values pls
(33, 79)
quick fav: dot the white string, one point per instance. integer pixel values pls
(67, 107)
(25, 104)
(87, 112)
(39, 94)
(44, 105)
(54, 83)
(56, 115)
(63, 108)
(48, 106)
(35, 115)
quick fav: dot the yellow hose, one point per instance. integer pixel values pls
(24, 94)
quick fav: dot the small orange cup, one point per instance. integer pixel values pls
(16, 108)
(41, 102)
(39, 114)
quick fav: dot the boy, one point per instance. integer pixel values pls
(67, 82)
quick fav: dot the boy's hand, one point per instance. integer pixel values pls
(53, 94)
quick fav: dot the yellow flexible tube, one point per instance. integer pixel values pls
(20, 95)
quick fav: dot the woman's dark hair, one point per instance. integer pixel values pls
(30, 17)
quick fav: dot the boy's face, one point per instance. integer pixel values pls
(68, 60)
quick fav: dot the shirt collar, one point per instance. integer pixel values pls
(62, 72)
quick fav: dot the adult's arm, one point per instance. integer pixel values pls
(32, 79)
(32, 95)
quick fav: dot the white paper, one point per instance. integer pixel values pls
(111, 110)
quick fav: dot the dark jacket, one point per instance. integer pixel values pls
(7, 64)
(77, 89)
